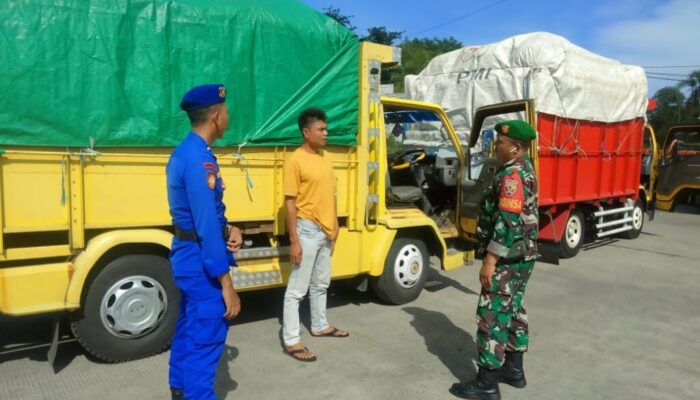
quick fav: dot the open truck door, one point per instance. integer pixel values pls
(678, 178)
(481, 166)
(650, 169)
(480, 169)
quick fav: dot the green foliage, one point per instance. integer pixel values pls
(342, 19)
(693, 84)
(417, 53)
(379, 34)
(674, 107)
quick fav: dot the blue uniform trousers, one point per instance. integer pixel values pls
(200, 334)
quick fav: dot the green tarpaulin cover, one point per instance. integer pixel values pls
(115, 70)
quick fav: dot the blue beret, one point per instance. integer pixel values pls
(203, 96)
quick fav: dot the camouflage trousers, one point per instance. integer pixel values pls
(501, 317)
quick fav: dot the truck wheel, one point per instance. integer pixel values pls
(637, 221)
(405, 272)
(130, 310)
(574, 233)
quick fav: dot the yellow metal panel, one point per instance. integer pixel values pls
(408, 217)
(28, 253)
(32, 191)
(369, 118)
(99, 245)
(468, 225)
(654, 173)
(356, 253)
(45, 228)
(665, 202)
(347, 255)
(2, 208)
(669, 198)
(276, 193)
(375, 247)
(664, 205)
(456, 259)
(77, 204)
(380, 52)
(259, 166)
(123, 191)
(34, 289)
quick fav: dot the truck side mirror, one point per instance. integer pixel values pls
(486, 141)
(672, 151)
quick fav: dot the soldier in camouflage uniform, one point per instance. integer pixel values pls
(507, 231)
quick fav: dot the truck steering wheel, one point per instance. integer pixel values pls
(407, 158)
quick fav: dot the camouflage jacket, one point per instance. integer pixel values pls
(509, 212)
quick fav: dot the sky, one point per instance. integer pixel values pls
(658, 33)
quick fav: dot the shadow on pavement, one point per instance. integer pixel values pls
(594, 244)
(452, 345)
(224, 381)
(437, 281)
(687, 209)
(265, 304)
(29, 337)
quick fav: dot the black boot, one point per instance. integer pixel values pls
(484, 387)
(177, 394)
(512, 372)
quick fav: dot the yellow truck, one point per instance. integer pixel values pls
(88, 231)
(678, 178)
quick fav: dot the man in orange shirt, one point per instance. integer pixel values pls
(312, 222)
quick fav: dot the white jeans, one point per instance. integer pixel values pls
(312, 275)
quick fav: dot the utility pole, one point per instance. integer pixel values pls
(677, 104)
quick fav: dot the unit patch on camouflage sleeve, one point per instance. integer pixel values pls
(511, 198)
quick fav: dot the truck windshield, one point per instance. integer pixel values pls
(684, 142)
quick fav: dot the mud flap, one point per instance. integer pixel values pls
(549, 252)
(53, 348)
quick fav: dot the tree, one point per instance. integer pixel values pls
(669, 110)
(417, 53)
(379, 34)
(341, 18)
(692, 83)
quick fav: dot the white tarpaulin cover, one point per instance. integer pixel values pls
(564, 79)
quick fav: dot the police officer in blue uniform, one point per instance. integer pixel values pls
(202, 249)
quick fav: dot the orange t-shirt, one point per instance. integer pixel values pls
(309, 177)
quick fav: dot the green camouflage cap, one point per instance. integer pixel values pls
(516, 129)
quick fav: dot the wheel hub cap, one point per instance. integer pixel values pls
(637, 218)
(408, 266)
(573, 232)
(133, 307)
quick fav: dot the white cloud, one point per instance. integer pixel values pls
(670, 36)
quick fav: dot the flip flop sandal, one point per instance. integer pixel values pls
(335, 332)
(295, 354)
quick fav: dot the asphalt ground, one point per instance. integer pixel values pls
(619, 321)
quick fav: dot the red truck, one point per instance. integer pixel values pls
(589, 112)
(588, 174)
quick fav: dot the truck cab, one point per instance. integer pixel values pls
(679, 174)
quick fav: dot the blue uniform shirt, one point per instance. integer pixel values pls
(195, 194)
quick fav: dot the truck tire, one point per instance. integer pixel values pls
(573, 236)
(405, 272)
(637, 221)
(130, 309)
